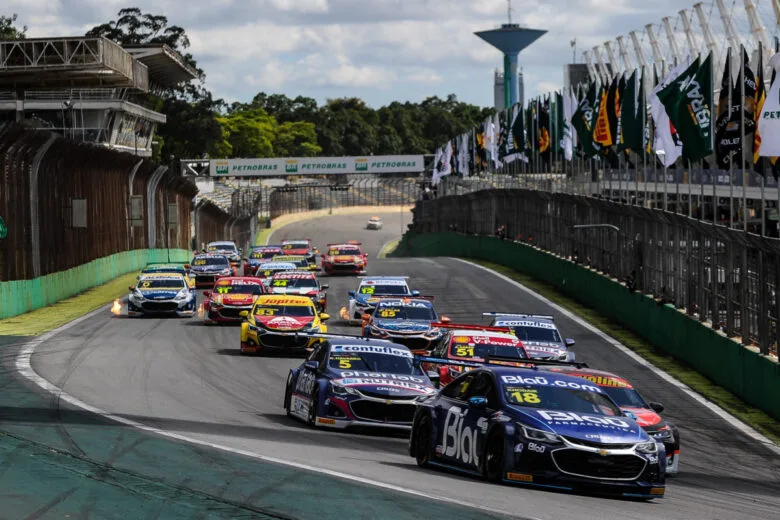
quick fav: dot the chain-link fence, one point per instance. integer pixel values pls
(65, 204)
(725, 277)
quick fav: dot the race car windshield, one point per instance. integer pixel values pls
(626, 397)
(481, 351)
(374, 362)
(284, 310)
(163, 270)
(222, 247)
(263, 255)
(524, 333)
(384, 290)
(406, 313)
(344, 251)
(296, 245)
(211, 260)
(298, 283)
(560, 398)
(168, 283)
(249, 288)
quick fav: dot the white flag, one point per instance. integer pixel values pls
(496, 124)
(664, 142)
(463, 155)
(769, 122)
(446, 160)
(570, 105)
(436, 167)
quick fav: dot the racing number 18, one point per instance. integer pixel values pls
(526, 397)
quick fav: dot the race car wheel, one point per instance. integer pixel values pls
(243, 349)
(288, 396)
(494, 457)
(422, 441)
(315, 399)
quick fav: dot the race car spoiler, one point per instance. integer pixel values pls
(516, 315)
(501, 360)
(487, 328)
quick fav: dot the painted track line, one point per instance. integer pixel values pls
(712, 407)
(24, 367)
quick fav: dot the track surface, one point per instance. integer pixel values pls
(182, 376)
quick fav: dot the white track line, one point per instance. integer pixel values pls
(24, 366)
(714, 408)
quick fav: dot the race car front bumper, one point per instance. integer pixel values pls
(225, 313)
(343, 268)
(256, 339)
(183, 309)
(416, 341)
(206, 279)
(362, 411)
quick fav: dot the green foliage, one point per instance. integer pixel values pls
(8, 29)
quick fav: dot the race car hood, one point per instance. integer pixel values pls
(367, 299)
(257, 261)
(234, 299)
(296, 252)
(345, 259)
(538, 349)
(391, 385)
(585, 427)
(303, 291)
(284, 323)
(645, 417)
(208, 268)
(159, 294)
(407, 326)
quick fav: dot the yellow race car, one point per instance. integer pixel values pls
(272, 322)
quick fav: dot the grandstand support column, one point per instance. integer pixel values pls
(757, 26)
(728, 24)
(35, 231)
(613, 62)
(592, 72)
(196, 223)
(604, 73)
(690, 37)
(640, 53)
(709, 39)
(228, 225)
(658, 56)
(133, 173)
(151, 214)
(624, 55)
(672, 41)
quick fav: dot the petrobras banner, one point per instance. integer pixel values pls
(281, 166)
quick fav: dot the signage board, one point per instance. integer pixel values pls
(281, 166)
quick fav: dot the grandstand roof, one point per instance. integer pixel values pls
(166, 66)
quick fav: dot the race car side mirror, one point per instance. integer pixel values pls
(131, 288)
(187, 266)
(325, 286)
(311, 365)
(324, 317)
(478, 402)
(656, 407)
(445, 319)
(207, 294)
(243, 314)
(569, 342)
(351, 294)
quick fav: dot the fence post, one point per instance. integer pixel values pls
(128, 206)
(151, 213)
(35, 234)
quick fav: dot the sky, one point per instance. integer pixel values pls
(378, 50)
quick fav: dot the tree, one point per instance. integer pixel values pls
(8, 29)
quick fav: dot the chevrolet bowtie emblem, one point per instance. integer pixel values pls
(603, 452)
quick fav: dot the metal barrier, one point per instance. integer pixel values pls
(66, 204)
(722, 276)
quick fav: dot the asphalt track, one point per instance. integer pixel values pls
(181, 376)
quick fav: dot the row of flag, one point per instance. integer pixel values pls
(632, 117)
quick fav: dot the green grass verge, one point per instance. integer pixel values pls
(264, 232)
(49, 318)
(687, 375)
(388, 248)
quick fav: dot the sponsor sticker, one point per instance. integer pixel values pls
(578, 419)
(543, 381)
(520, 477)
(373, 349)
(524, 323)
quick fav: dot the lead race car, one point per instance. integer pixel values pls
(345, 258)
(523, 426)
(364, 299)
(348, 381)
(539, 335)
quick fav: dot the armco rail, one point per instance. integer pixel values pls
(753, 377)
(20, 296)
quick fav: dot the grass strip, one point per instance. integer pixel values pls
(672, 366)
(388, 248)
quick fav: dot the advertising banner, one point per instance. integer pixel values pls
(281, 166)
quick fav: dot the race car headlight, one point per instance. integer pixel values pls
(377, 333)
(664, 434)
(226, 270)
(136, 295)
(358, 260)
(338, 389)
(183, 295)
(532, 434)
(433, 333)
(648, 448)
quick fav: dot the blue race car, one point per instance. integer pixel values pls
(161, 294)
(364, 299)
(207, 268)
(523, 426)
(408, 321)
(351, 381)
(539, 335)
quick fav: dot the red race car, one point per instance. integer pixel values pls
(299, 283)
(472, 343)
(258, 256)
(301, 247)
(345, 258)
(230, 296)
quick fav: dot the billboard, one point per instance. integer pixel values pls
(280, 166)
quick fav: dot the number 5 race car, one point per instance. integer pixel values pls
(523, 426)
(274, 320)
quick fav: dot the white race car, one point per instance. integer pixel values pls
(364, 299)
(374, 223)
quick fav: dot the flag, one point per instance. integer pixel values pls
(559, 124)
(648, 131)
(583, 120)
(688, 103)
(727, 132)
(495, 128)
(630, 122)
(463, 154)
(518, 132)
(613, 107)
(760, 98)
(601, 130)
(446, 160)
(544, 129)
(480, 155)
(666, 142)
(437, 167)
(503, 142)
(769, 122)
(569, 105)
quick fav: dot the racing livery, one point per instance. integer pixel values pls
(226, 248)
(229, 297)
(472, 343)
(349, 381)
(539, 335)
(258, 256)
(632, 403)
(274, 320)
(364, 299)
(205, 269)
(268, 269)
(523, 426)
(301, 247)
(374, 223)
(166, 293)
(344, 259)
(299, 260)
(408, 321)
(301, 283)
(181, 269)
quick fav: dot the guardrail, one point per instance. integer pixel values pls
(724, 277)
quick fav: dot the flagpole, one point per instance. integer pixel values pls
(741, 151)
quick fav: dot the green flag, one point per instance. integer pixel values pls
(688, 102)
(631, 127)
(560, 124)
(518, 130)
(583, 118)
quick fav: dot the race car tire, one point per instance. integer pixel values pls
(243, 352)
(315, 399)
(422, 441)
(288, 396)
(494, 457)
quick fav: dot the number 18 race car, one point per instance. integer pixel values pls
(524, 426)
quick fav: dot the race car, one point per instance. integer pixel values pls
(301, 247)
(374, 223)
(364, 299)
(523, 426)
(350, 381)
(344, 259)
(165, 293)
(270, 268)
(182, 269)
(304, 284)
(206, 268)
(632, 403)
(272, 322)
(226, 248)
(539, 335)
(407, 321)
(258, 256)
(300, 261)
(471, 343)
(229, 297)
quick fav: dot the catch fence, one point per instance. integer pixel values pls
(719, 275)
